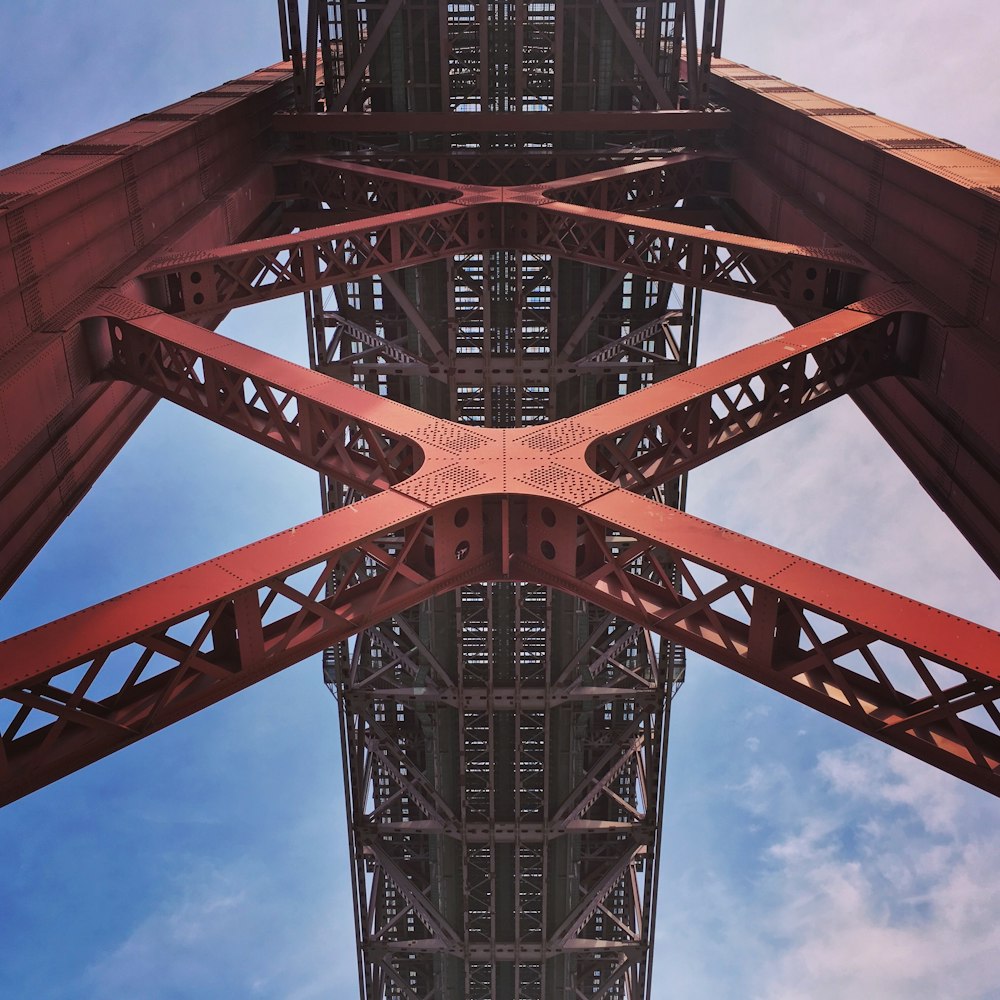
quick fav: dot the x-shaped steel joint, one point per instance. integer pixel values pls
(434, 219)
(453, 504)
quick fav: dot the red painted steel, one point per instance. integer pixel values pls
(317, 421)
(231, 198)
(518, 218)
(676, 425)
(925, 206)
(492, 122)
(82, 219)
(478, 504)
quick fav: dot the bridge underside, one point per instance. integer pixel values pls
(507, 837)
(501, 217)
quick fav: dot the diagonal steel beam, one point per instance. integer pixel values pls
(631, 43)
(359, 65)
(665, 430)
(827, 640)
(348, 435)
(218, 280)
(173, 666)
(525, 505)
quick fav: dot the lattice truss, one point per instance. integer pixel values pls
(565, 692)
(383, 55)
(502, 409)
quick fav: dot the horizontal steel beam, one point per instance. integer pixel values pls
(457, 122)
(805, 278)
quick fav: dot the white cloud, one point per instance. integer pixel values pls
(935, 800)
(886, 887)
(237, 931)
(859, 872)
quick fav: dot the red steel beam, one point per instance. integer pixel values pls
(212, 280)
(649, 184)
(78, 220)
(457, 122)
(350, 435)
(360, 186)
(660, 432)
(796, 277)
(507, 504)
(98, 680)
(930, 209)
(912, 676)
(808, 278)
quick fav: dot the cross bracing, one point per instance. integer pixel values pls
(503, 218)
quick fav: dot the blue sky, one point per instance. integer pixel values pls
(210, 860)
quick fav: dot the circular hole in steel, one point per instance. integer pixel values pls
(548, 550)
(811, 273)
(461, 550)
(461, 517)
(808, 295)
(548, 517)
(116, 332)
(196, 277)
(891, 328)
(198, 298)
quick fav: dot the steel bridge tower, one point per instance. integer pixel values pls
(502, 218)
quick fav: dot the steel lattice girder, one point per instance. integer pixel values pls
(493, 504)
(550, 53)
(364, 189)
(491, 122)
(726, 596)
(516, 218)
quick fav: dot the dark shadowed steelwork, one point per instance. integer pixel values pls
(503, 218)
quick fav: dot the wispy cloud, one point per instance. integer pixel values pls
(237, 930)
(873, 876)
(922, 926)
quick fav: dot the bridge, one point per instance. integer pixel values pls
(503, 219)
